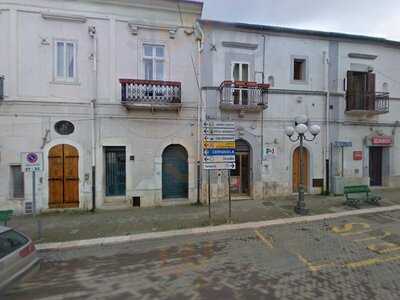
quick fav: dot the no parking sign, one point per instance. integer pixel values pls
(32, 161)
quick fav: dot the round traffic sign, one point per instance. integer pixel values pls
(32, 157)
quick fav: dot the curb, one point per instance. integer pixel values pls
(205, 230)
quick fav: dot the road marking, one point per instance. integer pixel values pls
(386, 234)
(266, 240)
(371, 261)
(383, 248)
(348, 229)
(314, 267)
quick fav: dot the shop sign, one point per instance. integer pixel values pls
(357, 155)
(382, 140)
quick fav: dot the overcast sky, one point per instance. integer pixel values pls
(369, 17)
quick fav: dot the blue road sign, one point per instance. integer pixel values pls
(343, 144)
(214, 152)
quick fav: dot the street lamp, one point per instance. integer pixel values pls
(301, 128)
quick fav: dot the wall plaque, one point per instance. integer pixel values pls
(64, 127)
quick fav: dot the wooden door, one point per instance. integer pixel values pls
(296, 169)
(375, 166)
(63, 177)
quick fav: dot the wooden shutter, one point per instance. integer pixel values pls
(370, 99)
(351, 91)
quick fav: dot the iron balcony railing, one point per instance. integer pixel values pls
(150, 91)
(370, 102)
(243, 93)
(1, 87)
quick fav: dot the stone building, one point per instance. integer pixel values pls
(346, 84)
(103, 86)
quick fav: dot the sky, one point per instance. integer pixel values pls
(379, 18)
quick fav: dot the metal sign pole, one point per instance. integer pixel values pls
(38, 222)
(342, 161)
(34, 193)
(229, 195)
(209, 196)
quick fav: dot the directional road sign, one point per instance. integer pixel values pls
(219, 138)
(218, 152)
(219, 124)
(218, 131)
(219, 145)
(220, 166)
(219, 158)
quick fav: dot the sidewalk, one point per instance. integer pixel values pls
(73, 225)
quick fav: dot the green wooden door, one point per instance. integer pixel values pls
(115, 171)
(174, 172)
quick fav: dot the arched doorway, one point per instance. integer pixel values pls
(63, 177)
(175, 172)
(296, 169)
(240, 177)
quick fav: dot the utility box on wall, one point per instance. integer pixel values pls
(338, 185)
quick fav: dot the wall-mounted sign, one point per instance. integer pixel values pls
(357, 155)
(343, 144)
(270, 151)
(382, 140)
(64, 127)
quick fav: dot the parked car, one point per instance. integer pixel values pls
(17, 255)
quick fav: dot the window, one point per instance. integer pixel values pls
(65, 61)
(17, 182)
(240, 72)
(299, 69)
(153, 62)
(10, 241)
(360, 94)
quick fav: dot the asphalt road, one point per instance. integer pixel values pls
(347, 258)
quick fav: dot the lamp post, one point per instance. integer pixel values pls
(301, 128)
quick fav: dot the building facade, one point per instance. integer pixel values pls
(114, 95)
(346, 84)
(106, 90)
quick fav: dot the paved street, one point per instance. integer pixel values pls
(77, 225)
(347, 258)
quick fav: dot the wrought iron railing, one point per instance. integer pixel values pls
(150, 91)
(243, 93)
(372, 102)
(1, 87)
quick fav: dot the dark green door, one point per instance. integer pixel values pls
(174, 172)
(115, 171)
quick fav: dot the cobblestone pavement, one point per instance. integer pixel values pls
(77, 225)
(347, 258)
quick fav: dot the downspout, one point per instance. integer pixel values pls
(326, 65)
(262, 110)
(200, 41)
(93, 35)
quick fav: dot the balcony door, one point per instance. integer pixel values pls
(240, 72)
(360, 90)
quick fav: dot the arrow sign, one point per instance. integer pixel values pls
(216, 152)
(219, 145)
(219, 159)
(218, 138)
(219, 124)
(219, 166)
(218, 131)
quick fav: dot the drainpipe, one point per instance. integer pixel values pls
(92, 34)
(326, 65)
(262, 110)
(200, 41)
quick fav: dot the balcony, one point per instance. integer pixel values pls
(367, 104)
(1, 87)
(243, 96)
(150, 94)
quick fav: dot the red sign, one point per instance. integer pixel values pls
(357, 155)
(382, 140)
